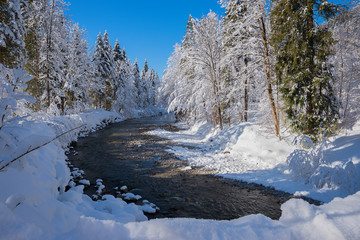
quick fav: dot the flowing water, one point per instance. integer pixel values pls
(125, 154)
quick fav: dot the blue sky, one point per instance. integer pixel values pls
(147, 29)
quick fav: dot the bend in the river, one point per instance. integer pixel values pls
(125, 154)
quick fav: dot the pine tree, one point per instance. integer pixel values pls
(110, 87)
(304, 78)
(151, 87)
(100, 72)
(117, 53)
(188, 33)
(137, 83)
(120, 77)
(144, 86)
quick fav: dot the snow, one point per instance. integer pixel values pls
(131, 196)
(248, 152)
(300, 220)
(35, 205)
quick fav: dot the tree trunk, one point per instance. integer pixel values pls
(246, 100)
(268, 78)
(49, 40)
(38, 77)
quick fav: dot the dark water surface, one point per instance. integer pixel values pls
(125, 154)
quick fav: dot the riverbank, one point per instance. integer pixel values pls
(249, 152)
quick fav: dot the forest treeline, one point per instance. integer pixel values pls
(272, 62)
(44, 55)
(267, 61)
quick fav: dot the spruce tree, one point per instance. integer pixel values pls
(302, 73)
(144, 85)
(137, 82)
(109, 74)
(188, 33)
(117, 53)
(119, 72)
(98, 59)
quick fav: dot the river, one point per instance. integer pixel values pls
(126, 154)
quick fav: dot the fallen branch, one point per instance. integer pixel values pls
(33, 149)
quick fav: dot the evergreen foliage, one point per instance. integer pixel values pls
(12, 32)
(303, 75)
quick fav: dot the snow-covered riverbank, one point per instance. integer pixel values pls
(35, 205)
(250, 153)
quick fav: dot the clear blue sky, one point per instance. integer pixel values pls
(147, 29)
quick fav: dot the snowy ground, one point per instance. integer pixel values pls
(35, 205)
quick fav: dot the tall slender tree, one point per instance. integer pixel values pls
(100, 72)
(108, 64)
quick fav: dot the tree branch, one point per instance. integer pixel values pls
(35, 148)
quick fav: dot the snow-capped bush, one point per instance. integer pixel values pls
(12, 85)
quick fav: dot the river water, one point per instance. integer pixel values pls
(125, 154)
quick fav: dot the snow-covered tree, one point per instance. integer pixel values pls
(151, 89)
(172, 76)
(143, 86)
(12, 33)
(130, 92)
(12, 50)
(108, 74)
(346, 63)
(194, 72)
(33, 44)
(55, 29)
(302, 51)
(137, 82)
(78, 73)
(205, 54)
(247, 61)
(99, 61)
(236, 58)
(119, 74)
(12, 86)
